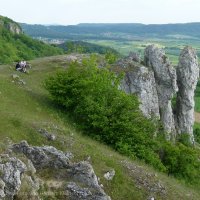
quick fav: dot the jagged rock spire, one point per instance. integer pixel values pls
(165, 78)
(187, 78)
(157, 81)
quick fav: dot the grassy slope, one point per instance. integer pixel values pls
(25, 109)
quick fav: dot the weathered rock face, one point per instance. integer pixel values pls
(10, 25)
(2, 188)
(157, 82)
(11, 170)
(43, 157)
(83, 181)
(76, 193)
(140, 80)
(165, 78)
(13, 28)
(187, 77)
(84, 172)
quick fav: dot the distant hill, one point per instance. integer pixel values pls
(126, 31)
(85, 47)
(15, 45)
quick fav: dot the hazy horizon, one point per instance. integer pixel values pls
(73, 12)
(55, 24)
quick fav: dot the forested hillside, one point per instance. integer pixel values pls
(16, 46)
(114, 31)
(85, 47)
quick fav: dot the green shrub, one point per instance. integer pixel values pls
(181, 161)
(103, 111)
(197, 134)
(91, 95)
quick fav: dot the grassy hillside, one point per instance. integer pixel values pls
(24, 109)
(17, 46)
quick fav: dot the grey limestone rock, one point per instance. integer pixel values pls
(135, 56)
(109, 175)
(11, 170)
(187, 77)
(78, 193)
(165, 78)
(140, 80)
(43, 157)
(90, 189)
(2, 188)
(46, 134)
(157, 81)
(81, 173)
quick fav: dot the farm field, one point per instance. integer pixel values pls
(171, 46)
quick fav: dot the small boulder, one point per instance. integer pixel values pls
(46, 134)
(109, 175)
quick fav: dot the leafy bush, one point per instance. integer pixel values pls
(91, 95)
(104, 112)
(197, 133)
(181, 161)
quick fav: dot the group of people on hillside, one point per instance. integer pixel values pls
(21, 66)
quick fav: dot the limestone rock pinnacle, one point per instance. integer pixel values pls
(187, 77)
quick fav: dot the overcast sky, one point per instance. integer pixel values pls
(101, 11)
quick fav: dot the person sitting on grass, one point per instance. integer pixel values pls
(21, 66)
(18, 66)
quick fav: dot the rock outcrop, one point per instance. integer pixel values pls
(76, 192)
(187, 77)
(44, 157)
(10, 25)
(81, 182)
(165, 78)
(140, 80)
(11, 170)
(156, 82)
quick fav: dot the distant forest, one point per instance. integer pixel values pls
(114, 31)
(86, 47)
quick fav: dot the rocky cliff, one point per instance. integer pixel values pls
(10, 25)
(165, 78)
(155, 81)
(140, 80)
